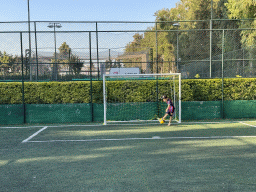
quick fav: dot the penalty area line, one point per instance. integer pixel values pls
(153, 138)
(35, 134)
(247, 124)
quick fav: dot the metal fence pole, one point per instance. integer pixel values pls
(211, 38)
(177, 57)
(97, 44)
(222, 74)
(158, 106)
(29, 44)
(55, 76)
(156, 52)
(36, 52)
(91, 92)
(210, 48)
(22, 80)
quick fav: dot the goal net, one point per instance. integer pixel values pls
(137, 98)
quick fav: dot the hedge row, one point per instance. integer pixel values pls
(137, 91)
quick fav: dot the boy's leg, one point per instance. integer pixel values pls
(164, 117)
(170, 120)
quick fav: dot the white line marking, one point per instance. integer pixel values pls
(247, 124)
(35, 134)
(75, 125)
(158, 138)
(20, 127)
(120, 124)
(51, 126)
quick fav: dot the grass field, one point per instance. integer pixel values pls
(183, 157)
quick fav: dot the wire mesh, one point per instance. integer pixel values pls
(80, 53)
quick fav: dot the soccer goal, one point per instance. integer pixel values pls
(137, 97)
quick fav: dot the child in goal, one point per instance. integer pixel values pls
(168, 111)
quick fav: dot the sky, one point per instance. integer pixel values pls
(82, 10)
(76, 10)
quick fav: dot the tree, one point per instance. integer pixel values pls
(232, 37)
(6, 62)
(75, 64)
(244, 9)
(135, 45)
(194, 44)
(68, 59)
(142, 43)
(64, 50)
(241, 9)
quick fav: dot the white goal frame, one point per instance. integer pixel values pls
(138, 75)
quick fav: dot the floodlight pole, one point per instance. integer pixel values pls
(55, 67)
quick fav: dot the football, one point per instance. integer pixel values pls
(161, 120)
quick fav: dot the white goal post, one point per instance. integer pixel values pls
(124, 101)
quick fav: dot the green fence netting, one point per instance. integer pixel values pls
(201, 110)
(240, 109)
(11, 114)
(81, 112)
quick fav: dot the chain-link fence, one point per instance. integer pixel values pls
(78, 50)
(84, 51)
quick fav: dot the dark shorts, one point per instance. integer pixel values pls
(170, 111)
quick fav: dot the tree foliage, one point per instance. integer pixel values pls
(68, 59)
(244, 9)
(192, 40)
(64, 50)
(7, 62)
(241, 9)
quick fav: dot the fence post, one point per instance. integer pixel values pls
(222, 74)
(156, 51)
(22, 80)
(90, 49)
(210, 48)
(97, 44)
(36, 53)
(157, 91)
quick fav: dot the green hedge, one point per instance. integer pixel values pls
(49, 92)
(137, 91)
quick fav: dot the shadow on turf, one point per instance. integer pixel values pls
(137, 165)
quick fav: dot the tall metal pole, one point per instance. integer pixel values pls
(177, 51)
(222, 73)
(97, 44)
(22, 80)
(210, 49)
(157, 90)
(156, 52)
(55, 56)
(29, 39)
(36, 53)
(90, 47)
(211, 39)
